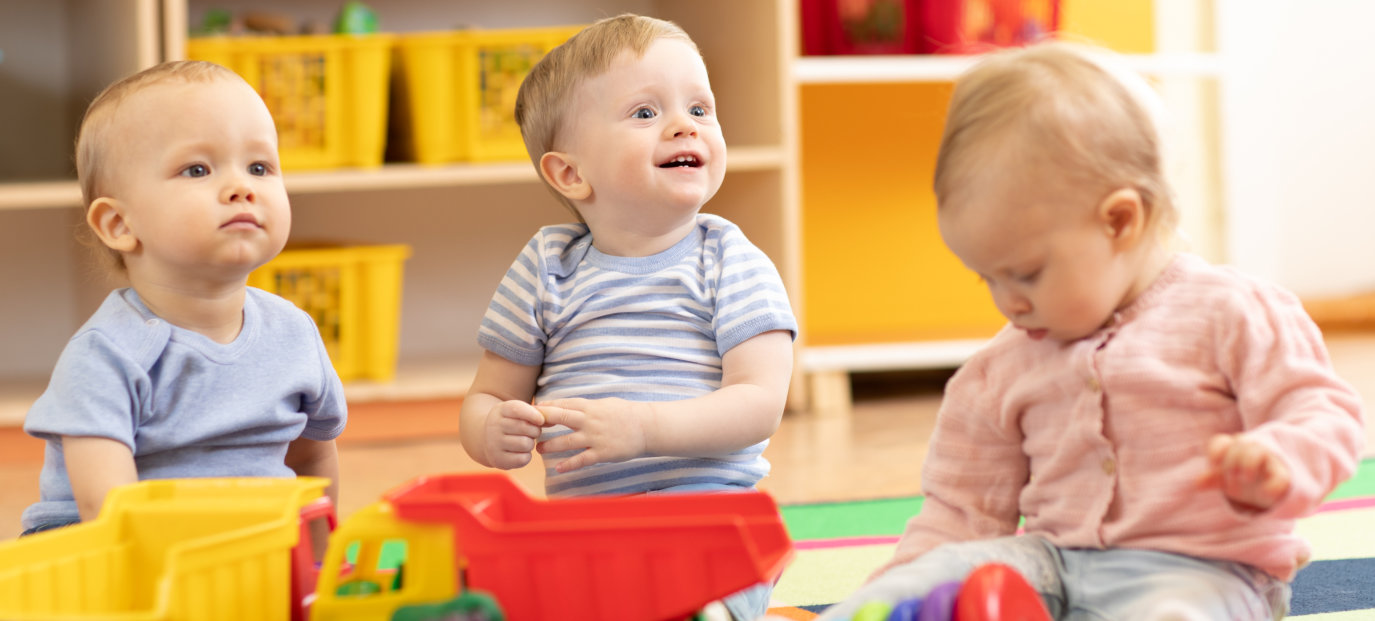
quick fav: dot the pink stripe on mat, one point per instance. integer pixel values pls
(876, 540)
(844, 542)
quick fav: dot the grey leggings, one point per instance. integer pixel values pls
(1092, 585)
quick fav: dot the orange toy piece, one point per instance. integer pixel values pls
(631, 558)
(996, 592)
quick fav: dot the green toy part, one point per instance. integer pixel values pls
(470, 606)
(355, 18)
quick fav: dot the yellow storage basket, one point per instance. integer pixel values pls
(456, 92)
(327, 93)
(354, 295)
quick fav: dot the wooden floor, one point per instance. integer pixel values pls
(876, 452)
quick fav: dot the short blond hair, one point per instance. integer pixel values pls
(545, 93)
(1063, 105)
(92, 142)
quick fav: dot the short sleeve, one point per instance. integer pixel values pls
(327, 414)
(750, 297)
(511, 327)
(96, 390)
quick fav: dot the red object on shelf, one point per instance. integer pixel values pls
(923, 26)
(996, 592)
(595, 558)
(970, 26)
(861, 27)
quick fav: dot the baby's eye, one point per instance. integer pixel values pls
(195, 170)
(643, 113)
(1029, 277)
(697, 111)
(257, 169)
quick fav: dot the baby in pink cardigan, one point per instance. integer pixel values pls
(1159, 422)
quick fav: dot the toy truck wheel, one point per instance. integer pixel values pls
(470, 606)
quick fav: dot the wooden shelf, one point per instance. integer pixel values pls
(39, 195)
(62, 194)
(401, 176)
(945, 68)
(889, 356)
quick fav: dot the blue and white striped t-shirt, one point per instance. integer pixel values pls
(639, 328)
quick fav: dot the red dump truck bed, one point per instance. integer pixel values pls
(596, 558)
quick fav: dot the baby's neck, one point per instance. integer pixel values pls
(216, 312)
(1152, 262)
(637, 240)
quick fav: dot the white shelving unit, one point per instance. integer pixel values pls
(938, 68)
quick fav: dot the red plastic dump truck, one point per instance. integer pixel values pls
(478, 546)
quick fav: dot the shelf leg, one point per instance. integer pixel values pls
(830, 393)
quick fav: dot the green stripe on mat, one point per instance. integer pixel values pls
(863, 518)
(1362, 484)
(888, 516)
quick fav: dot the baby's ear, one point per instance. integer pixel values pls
(1123, 216)
(561, 172)
(106, 218)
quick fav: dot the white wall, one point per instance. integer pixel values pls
(1298, 123)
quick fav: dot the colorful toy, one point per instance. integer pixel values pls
(996, 592)
(639, 557)
(992, 592)
(471, 546)
(355, 18)
(196, 549)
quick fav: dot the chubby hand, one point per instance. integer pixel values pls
(1246, 472)
(510, 435)
(607, 430)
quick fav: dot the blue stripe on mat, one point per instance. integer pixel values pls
(1334, 586)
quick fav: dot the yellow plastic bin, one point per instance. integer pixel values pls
(196, 549)
(327, 93)
(456, 91)
(354, 295)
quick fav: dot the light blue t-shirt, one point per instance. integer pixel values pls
(638, 328)
(185, 405)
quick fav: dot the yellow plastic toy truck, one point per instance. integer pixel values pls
(194, 549)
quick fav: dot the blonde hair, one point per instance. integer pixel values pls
(545, 93)
(1064, 105)
(92, 142)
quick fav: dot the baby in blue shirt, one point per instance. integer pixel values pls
(187, 372)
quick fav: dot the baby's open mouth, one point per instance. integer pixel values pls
(689, 161)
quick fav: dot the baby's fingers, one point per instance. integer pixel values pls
(1276, 482)
(521, 412)
(1218, 448)
(556, 415)
(581, 460)
(1212, 479)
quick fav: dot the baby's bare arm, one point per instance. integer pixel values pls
(94, 467)
(497, 425)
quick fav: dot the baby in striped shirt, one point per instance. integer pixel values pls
(1157, 422)
(646, 348)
